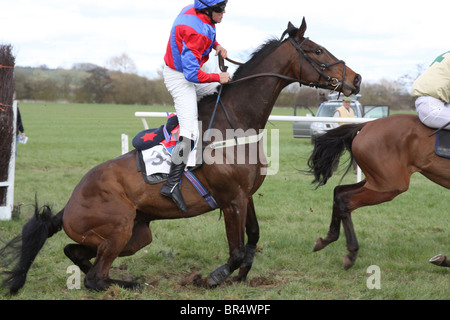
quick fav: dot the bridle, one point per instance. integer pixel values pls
(317, 65)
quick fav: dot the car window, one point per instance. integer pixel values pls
(376, 111)
(328, 109)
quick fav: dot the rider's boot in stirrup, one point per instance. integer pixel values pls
(180, 157)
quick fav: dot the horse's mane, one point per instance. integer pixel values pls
(259, 54)
(244, 70)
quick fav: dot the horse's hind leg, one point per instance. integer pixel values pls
(111, 240)
(98, 276)
(80, 255)
(141, 237)
(252, 230)
(335, 225)
(348, 199)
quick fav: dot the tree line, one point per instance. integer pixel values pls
(120, 84)
(88, 83)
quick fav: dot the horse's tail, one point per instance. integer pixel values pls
(24, 248)
(328, 149)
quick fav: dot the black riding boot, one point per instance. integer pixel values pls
(180, 157)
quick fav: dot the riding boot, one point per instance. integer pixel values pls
(180, 157)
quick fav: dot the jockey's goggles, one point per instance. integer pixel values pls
(220, 7)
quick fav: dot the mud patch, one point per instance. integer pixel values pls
(196, 279)
(262, 282)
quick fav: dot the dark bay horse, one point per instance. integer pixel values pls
(109, 211)
(388, 151)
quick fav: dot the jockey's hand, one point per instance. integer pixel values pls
(222, 51)
(224, 77)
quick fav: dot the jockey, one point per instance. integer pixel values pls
(192, 38)
(432, 93)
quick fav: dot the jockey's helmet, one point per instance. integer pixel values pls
(215, 5)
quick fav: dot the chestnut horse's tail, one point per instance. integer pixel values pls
(328, 149)
(24, 248)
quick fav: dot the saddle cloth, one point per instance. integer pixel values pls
(442, 147)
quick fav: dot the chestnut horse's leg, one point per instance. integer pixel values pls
(235, 215)
(347, 199)
(335, 226)
(350, 200)
(252, 230)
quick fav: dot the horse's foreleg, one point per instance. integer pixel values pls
(235, 219)
(252, 230)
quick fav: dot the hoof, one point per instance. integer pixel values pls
(438, 260)
(348, 263)
(319, 245)
(218, 276)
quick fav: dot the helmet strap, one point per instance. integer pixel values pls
(209, 11)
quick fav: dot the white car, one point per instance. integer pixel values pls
(327, 109)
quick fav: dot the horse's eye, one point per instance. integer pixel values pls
(319, 52)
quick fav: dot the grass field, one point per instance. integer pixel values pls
(399, 237)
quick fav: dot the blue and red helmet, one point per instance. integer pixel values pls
(215, 5)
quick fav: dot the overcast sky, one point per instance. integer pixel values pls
(378, 39)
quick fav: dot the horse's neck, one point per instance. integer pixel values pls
(251, 101)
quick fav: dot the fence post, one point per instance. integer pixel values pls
(7, 209)
(125, 146)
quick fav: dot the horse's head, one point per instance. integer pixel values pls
(316, 66)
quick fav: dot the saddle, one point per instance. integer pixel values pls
(442, 147)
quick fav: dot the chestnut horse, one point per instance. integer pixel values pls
(388, 150)
(109, 211)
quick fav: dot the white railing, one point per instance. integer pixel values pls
(144, 115)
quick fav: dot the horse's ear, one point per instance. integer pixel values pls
(291, 30)
(302, 29)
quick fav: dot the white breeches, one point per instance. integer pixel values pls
(433, 112)
(185, 94)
